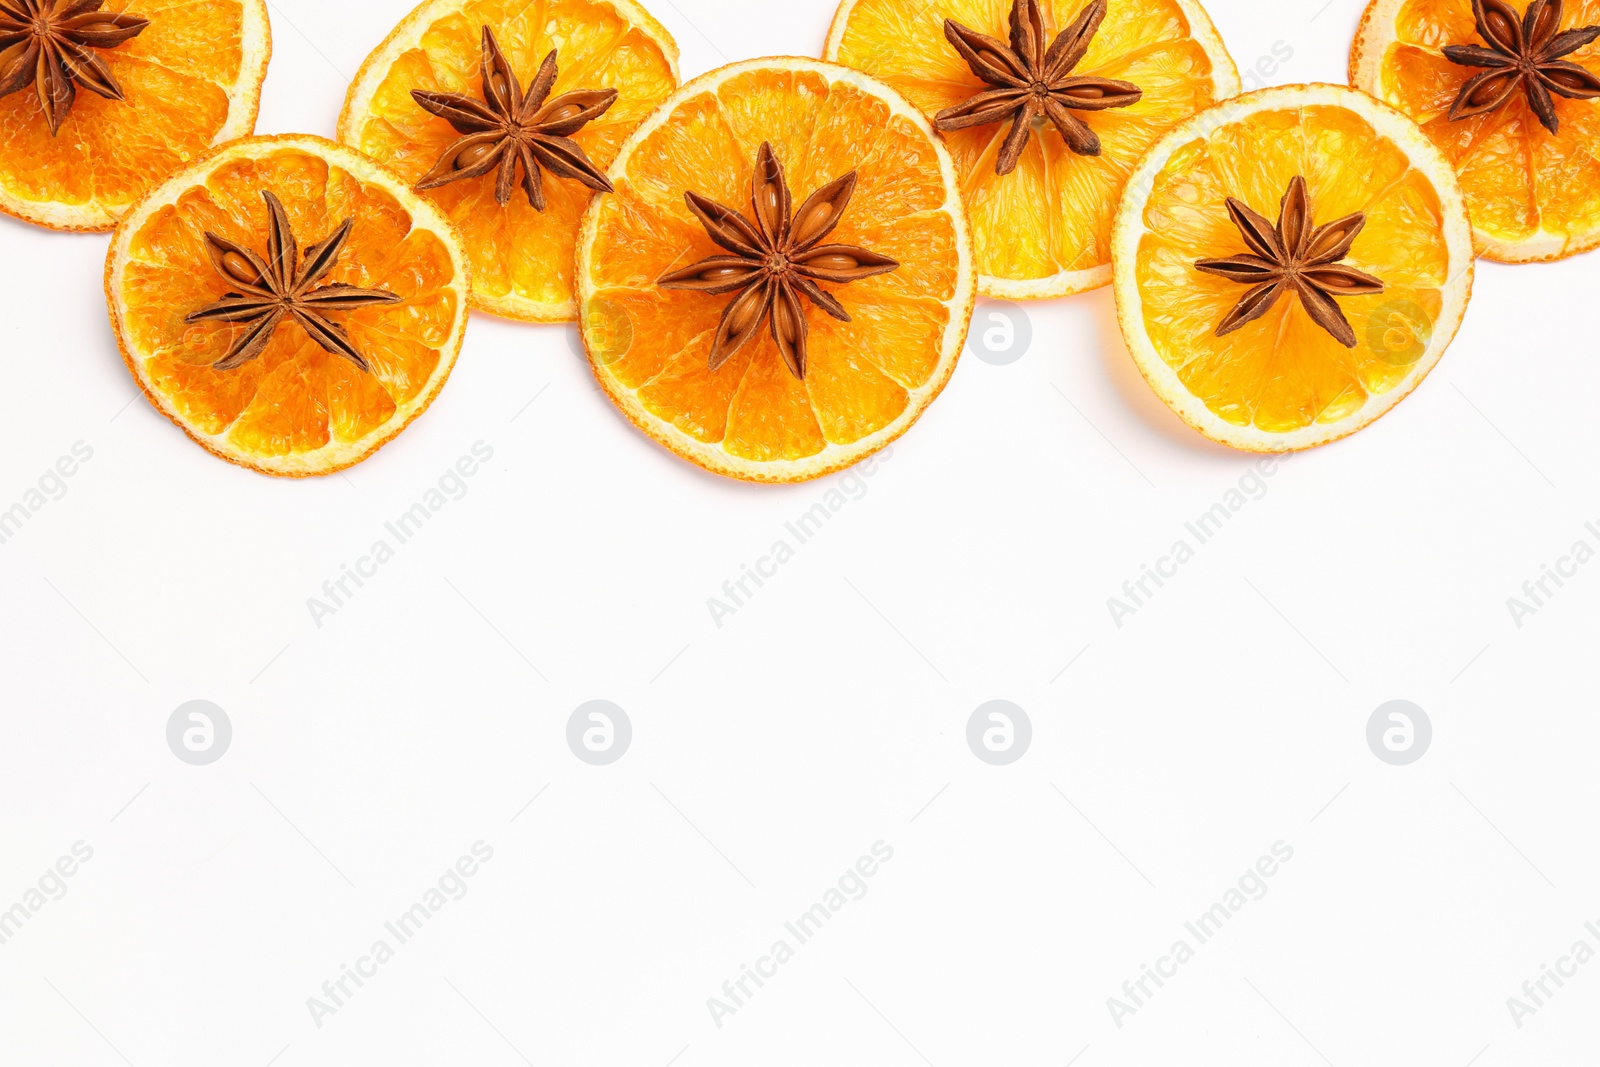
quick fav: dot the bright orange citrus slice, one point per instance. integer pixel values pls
(1044, 229)
(187, 81)
(283, 338)
(833, 391)
(1267, 370)
(1533, 194)
(521, 256)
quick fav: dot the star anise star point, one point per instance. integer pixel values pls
(1034, 83)
(279, 286)
(774, 261)
(50, 45)
(508, 127)
(1523, 54)
(1296, 256)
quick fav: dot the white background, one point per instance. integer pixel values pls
(827, 714)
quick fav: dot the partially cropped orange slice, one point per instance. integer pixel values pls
(1044, 228)
(1533, 192)
(678, 326)
(521, 255)
(1290, 265)
(152, 84)
(288, 303)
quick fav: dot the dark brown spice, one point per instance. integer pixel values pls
(280, 286)
(1524, 55)
(1033, 83)
(49, 45)
(1293, 256)
(507, 127)
(775, 261)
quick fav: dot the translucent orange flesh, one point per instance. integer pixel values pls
(1518, 179)
(1282, 372)
(861, 373)
(295, 397)
(175, 77)
(516, 250)
(1054, 212)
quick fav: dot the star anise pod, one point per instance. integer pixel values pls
(279, 286)
(1033, 83)
(1524, 55)
(1293, 255)
(49, 45)
(507, 127)
(775, 261)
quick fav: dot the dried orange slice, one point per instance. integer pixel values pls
(1290, 265)
(521, 254)
(1533, 192)
(829, 195)
(288, 302)
(1044, 228)
(136, 92)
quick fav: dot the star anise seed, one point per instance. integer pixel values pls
(49, 45)
(775, 261)
(279, 286)
(1034, 83)
(507, 127)
(1524, 55)
(1293, 256)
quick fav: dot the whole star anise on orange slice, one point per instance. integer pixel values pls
(1291, 379)
(1293, 256)
(1034, 83)
(280, 286)
(508, 127)
(1523, 55)
(775, 261)
(1519, 129)
(870, 374)
(296, 409)
(50, 46)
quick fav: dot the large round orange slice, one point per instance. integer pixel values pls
(288, 303)
(599, 51)
(1530, 172)
(1042, 228)
(1290, 265)
(137, 89)
(829, 308)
